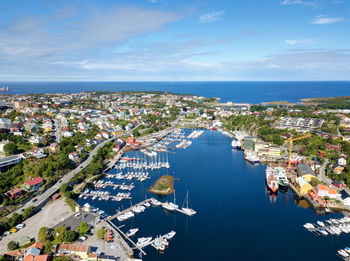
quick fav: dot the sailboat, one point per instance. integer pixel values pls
(188, 211)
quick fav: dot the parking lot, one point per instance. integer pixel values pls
(49, 216)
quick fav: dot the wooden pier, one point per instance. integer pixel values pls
(125, 246)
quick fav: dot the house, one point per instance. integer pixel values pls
(303, 186)
(34, 253)
(342, 161)
(80, 149)
(38, 153)
(33, 184)
(337, 169)
(73, 156)
(131, 140)
(54, 148)
(5, 124)
(325, 191)
(36, 139)
(333, 147)
(81, 251)
(14, 193)
(15, 255)
(304, 169)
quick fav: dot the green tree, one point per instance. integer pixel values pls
(83, 229)
(15, 219)
(69, 236)
(48, 246)
(101, 232)
(28, 212)
(59, 233)
(10, 148)
(44, 234)
(12, 245)
(64, 187)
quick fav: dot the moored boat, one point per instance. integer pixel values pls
(271, 179)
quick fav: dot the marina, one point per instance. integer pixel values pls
(227, 188)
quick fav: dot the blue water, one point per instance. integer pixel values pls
(236, 217)
(252, 92)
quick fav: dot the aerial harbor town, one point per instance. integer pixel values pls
(78, 168)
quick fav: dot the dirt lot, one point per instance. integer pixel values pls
(49, 216)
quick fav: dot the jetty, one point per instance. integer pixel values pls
(124, 244)
(118, 237)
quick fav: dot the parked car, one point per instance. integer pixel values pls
(81, 239)
(20, 226)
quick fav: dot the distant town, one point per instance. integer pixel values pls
(54, 147)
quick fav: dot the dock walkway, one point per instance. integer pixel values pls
(126, 237)
(121, 241)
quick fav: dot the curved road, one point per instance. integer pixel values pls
(44, 197)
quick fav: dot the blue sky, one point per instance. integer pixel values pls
(179, 40)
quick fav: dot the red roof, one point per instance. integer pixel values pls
(35, 181)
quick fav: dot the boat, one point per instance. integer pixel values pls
(343, 253)
(251, 157)
(143, 241)
(271, 179)
(158, 244)
(281, 176)
(132, 232)
(170, 206)
(236, 144)
(5, 89)
(170, 235)
(155, 202)
(188, 211)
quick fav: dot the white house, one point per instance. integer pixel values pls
(342, 161)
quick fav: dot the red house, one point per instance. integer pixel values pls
(14, 193)
(333, 147)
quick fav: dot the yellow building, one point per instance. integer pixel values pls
(303, 186)
(309, 177)
(47, 129)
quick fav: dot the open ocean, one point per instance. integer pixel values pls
(250, 92)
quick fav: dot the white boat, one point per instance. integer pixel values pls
(143, 241)
(343, 253)
(170, 235)
(132, 232)
(170, 206)
(236, 144)
(155, 202)
(320, 223)
(188, 211)
(251, 157)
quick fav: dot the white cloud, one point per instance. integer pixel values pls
(321, 19)
(300, 2)
(299, 41)
(211, 17)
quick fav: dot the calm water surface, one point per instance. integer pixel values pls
(236, 218)
(251, 92)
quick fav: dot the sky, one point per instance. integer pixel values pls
(174, 40)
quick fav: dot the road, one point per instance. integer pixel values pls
(323, 173)
(41, 199)
(57, 130)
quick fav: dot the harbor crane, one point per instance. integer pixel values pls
(290, 141)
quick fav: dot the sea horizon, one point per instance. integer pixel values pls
(254, 92)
